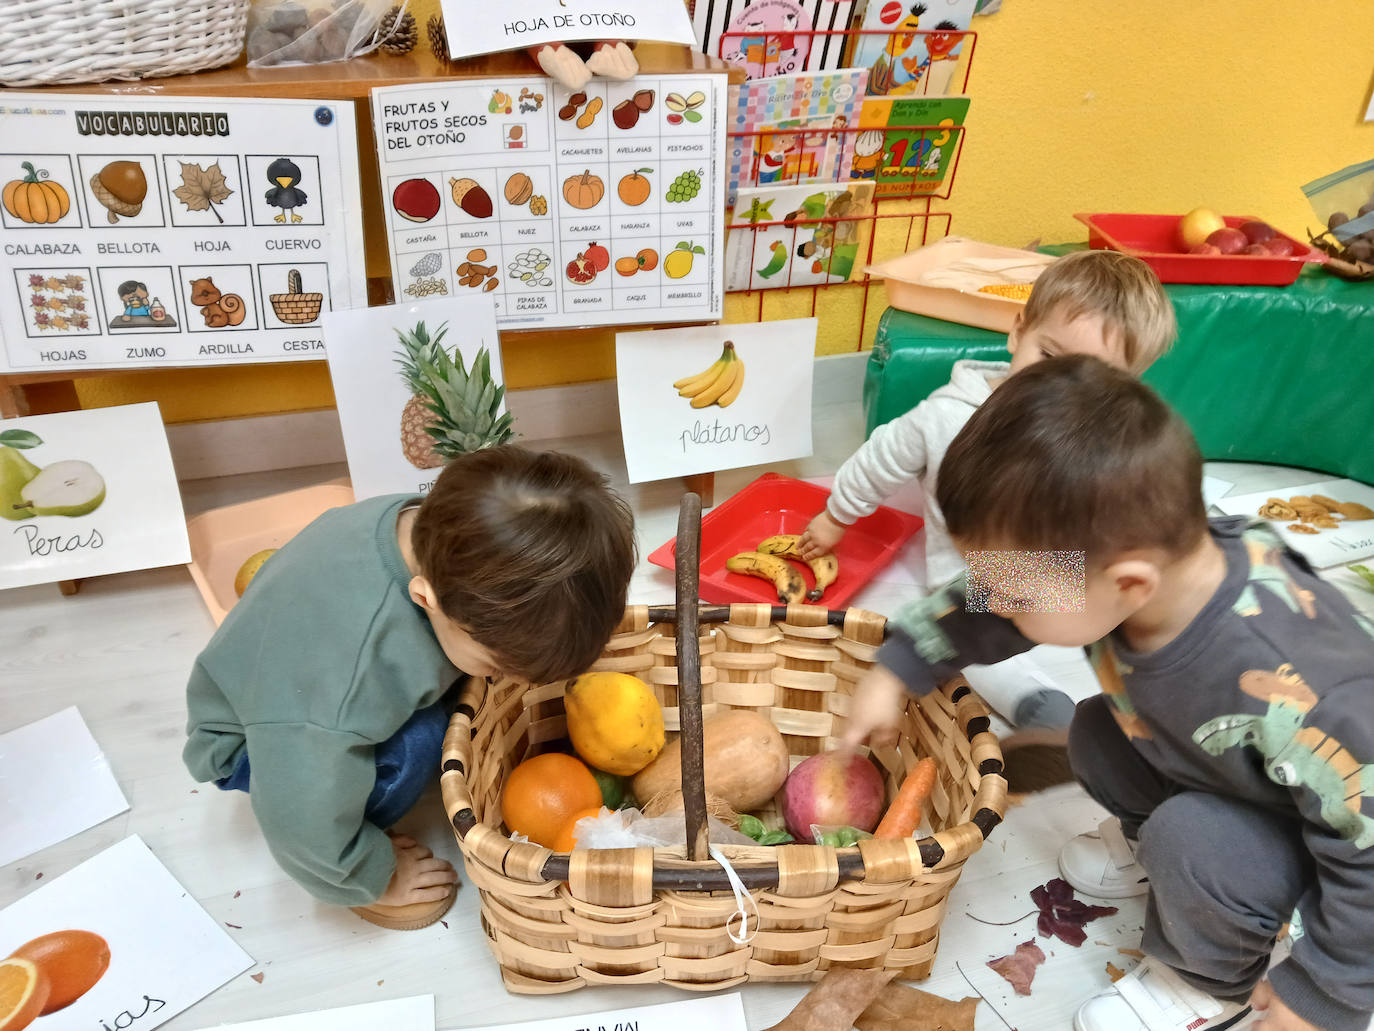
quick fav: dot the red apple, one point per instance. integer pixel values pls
(1205, 248)
(1197, 225)
(1257, 248)
(1228, 241)
(1257, 232)
(1278, 246)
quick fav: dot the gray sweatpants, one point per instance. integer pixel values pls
(1224, 875)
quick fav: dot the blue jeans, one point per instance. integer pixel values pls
(406, 762)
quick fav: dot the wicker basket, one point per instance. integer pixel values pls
(639, 916)
(297, 309)
(45, 42)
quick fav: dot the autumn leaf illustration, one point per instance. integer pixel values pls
(39, 300)
(77, 302)
(202, 188)
(57, 303)
(59, 322)
(54, 284)
(35, 281)
(74, 282)
(82, 322)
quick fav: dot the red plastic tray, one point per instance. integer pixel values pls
(1153, 239)
(775, 504)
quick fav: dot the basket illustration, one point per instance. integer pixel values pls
(44, 42)
(557, 922)
(294, 306)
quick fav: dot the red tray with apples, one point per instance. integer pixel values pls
(1155, 240)
(775, 504)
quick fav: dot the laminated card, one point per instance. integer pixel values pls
(598, 208)
(87, 493)
(141, 948)
(146, 231)
(708, 398)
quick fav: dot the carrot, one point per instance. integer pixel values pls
(904, 815)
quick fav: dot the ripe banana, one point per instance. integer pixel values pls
(825, 569)
(785, 579)
(719, 384)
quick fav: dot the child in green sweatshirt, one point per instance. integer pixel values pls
(320, 694)
(1234, 738)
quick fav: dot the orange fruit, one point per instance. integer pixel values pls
(23, 993)
(71, 963)
(544, 792)
(567, 837)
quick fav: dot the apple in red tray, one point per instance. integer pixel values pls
(1205, 248)
(1197, 225)
(1257, 232)
(1257, 249)
(1279, 247)
(1228, 241)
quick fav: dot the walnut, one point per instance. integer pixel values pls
(1302, 528)
(1277, 509)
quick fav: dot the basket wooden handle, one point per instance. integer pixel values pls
(688, 567)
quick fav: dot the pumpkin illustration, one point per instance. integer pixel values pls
(34, 200)
(584, 191)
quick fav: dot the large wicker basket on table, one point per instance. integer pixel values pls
(45, 42)
(642, 916)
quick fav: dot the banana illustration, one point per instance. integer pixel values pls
(720, 384)
(785, 579)
(825, 569)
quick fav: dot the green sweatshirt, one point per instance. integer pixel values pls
(323, 658)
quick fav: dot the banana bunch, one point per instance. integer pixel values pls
(767, 562)
(719, 384)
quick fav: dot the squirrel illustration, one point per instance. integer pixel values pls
(219, 309)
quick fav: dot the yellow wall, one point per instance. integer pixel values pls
(1079, 105)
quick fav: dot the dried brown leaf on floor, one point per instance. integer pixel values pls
(1115, 972)
(1019, 968)
(1133, 953)
(836, 1001)
(900, 1007)
(257, 977)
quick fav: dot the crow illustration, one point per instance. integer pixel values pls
(285, 194)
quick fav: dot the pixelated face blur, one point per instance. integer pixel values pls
(1057, 335)
(1049, 596)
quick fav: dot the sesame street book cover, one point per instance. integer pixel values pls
(774, 37)
(907, 145)
(911, 49)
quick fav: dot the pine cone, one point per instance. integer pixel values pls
(438, 39)
(398, 36)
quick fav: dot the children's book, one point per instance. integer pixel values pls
(802, 249)
(918, 50)
(906, 145)
(789, 128)
(774, 37)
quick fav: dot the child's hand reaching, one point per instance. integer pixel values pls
(876, 707)
(821, 536)
(419, 877)
(1273, 1014)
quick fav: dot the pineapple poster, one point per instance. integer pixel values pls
(88, 493)
(416, 385)
(174, 231)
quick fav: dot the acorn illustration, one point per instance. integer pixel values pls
(121, 187)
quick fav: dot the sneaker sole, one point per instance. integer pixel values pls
(1104, 891)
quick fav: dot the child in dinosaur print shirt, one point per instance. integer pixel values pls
(1235, 733)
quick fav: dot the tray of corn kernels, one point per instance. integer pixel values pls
(961, 280)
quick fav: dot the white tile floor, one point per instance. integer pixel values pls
(120, 651)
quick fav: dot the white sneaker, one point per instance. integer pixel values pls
(1103, 865)
(1154, 998)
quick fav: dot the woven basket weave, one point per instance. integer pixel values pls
(556, 922)
(45, 42)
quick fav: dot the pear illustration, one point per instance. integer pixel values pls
(70, 488)
(15, 473)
